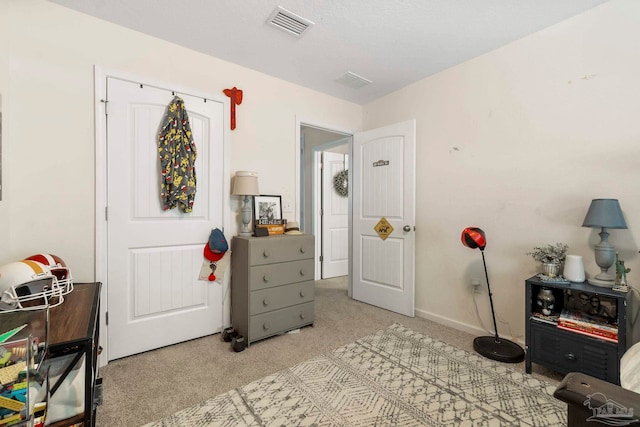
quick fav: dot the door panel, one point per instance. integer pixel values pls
(384, 187)
(335, 219)
(382, 262)
(154, 256)
(384, 181)
(164, 280)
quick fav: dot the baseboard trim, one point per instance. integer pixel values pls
(460, 326)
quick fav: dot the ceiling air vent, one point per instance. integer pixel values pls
(353, 80)
(288, 21)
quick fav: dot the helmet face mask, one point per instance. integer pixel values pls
(56, 266)
(28, 285)
(37, 294)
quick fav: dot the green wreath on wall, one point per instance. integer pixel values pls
(341, 183)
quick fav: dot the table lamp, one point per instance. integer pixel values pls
(604, 213)
(245, 184)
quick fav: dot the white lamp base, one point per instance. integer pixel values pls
(245, 214)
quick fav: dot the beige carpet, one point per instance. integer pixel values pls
(395, 377)
(150, 386)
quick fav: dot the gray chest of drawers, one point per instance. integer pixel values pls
(272, 284)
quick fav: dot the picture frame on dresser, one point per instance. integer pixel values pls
(267, 214)
(266, 209)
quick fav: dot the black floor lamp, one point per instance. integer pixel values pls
(491, 347)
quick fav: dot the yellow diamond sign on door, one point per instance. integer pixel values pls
(383, 228)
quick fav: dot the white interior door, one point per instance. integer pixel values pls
(154, 256)
(335, 219)
(384, 187)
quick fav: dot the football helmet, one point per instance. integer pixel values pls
(28, 285)
(56, 266)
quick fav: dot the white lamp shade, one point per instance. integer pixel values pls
(245, 183)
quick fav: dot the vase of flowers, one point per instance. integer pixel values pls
(551, 256)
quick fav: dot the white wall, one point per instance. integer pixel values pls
(4, 90)
(47, 81)
(518, 142)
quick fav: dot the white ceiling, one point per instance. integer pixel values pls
(391, 42)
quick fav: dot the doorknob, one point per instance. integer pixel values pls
(406, 228)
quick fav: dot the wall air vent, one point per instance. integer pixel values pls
(353, 80)
(287, 21)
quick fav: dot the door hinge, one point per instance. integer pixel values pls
(106, 213)
(321, 258)
(106, 318)
(106, 106)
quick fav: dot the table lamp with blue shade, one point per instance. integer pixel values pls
(603, 214)
(491, 347)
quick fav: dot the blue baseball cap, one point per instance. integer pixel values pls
(217, 245)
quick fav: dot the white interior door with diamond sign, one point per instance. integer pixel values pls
(155, 256)
(383, 236)
(335, 218)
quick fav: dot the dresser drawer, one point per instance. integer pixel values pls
(269, 250)
(272, 284)
(285, 319)
(281, 296)
(268, 276)
(566, 351)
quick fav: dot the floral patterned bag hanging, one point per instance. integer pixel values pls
(177, 153)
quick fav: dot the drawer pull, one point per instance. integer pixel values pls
(302, 316)
(265, 326)
(301, 250)
(302, 272)
(265, 302)
(265, 278)
(301, 294)
(266, 253)
(570, 356)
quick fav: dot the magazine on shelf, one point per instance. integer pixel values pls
(551, 319)
(592, 332)
(580, 317)
(580, 321)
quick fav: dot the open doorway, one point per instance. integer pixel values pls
(314, 143)
(332, 219)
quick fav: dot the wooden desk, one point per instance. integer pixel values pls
(73, 329)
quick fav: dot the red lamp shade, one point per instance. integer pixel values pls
(473, 237)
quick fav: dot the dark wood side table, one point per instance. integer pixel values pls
(568, 351)
(73, 330)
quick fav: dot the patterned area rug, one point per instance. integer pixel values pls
(395, 377)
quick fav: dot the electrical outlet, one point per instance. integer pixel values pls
(475, 284)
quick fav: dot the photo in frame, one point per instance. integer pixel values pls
(267, 213)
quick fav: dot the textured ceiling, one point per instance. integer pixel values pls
(391, 42)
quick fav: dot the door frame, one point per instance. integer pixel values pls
(101, 259)
(299, 190)
(318, 195)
